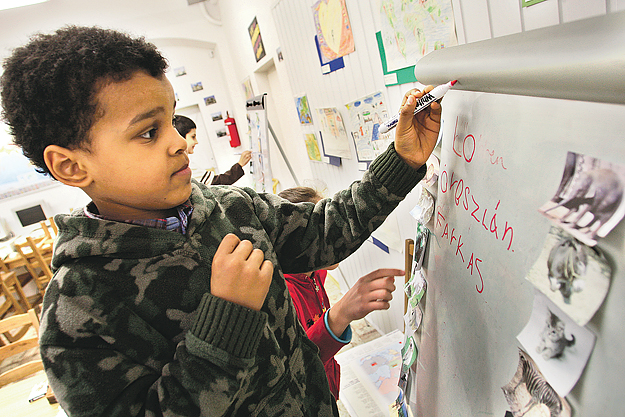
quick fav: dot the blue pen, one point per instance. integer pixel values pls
(436, 94)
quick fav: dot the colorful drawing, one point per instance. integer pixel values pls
(312, 147)
(333, 134)
(366, 115)
(412, 29)
(303, 110)
(334, 31)
(247, 88)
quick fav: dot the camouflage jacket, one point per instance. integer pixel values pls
(129, 326)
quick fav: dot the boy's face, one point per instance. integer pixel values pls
(191, 139)
(137, 161)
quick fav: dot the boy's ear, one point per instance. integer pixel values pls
(65, 165)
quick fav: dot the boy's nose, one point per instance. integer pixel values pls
(178, 143)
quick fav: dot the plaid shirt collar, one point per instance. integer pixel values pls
(177, 223)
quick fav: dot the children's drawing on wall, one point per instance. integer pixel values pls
(209, 100)
(559, 346)
(196, 86)
(333, 135)
(366, 115)
(312, 148)
(529, 395)
(303, 110)
(247, 88)
(574, 276)
(589, 201)
(412, 29)
(334, 32)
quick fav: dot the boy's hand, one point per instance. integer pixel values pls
(369, 293)
(240, 273)
(416, 135)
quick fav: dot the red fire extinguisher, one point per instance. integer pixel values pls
(232, 130)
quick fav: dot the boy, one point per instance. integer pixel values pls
(168, 297)
(188, 130)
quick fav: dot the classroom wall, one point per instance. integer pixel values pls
(288, 24)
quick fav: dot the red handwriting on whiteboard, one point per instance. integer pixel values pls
(462, 197)
(473, 261)
(465, 147)
(495, 160)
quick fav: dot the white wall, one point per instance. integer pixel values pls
(288, 24)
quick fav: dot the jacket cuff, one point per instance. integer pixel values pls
(396, 175)
(345, 338)
(228, 326)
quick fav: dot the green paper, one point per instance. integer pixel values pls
(527, 3)
(404, 75)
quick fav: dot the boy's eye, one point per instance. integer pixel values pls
(150, 134)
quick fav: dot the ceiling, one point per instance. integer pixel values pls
(145, 17)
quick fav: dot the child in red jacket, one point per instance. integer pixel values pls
(329, 327)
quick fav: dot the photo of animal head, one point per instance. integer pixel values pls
(566, 267)
(553, 340)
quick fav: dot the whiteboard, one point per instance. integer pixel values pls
(509, 151)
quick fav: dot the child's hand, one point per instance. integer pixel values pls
(369, 293)
(245, 158)
(416, 135)
(240, 273)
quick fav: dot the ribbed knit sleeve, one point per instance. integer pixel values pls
(394, 173)
(228, 326)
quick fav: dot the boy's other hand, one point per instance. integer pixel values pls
(371, 292)
(240, 273)
(416, 135)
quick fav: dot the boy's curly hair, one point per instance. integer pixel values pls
(50, 84)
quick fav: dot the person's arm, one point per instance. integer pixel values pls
(235, 173)
(371, 292)
(229, 177)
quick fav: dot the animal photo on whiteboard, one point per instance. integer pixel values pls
(553, 338)
(589, 201)
(559, 346)
(529, 395)
(572, 275)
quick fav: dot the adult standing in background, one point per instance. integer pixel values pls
(188, 130)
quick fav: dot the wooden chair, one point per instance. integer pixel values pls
(20, 321)
(11, 287)
(53, 226)
(37, 258)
